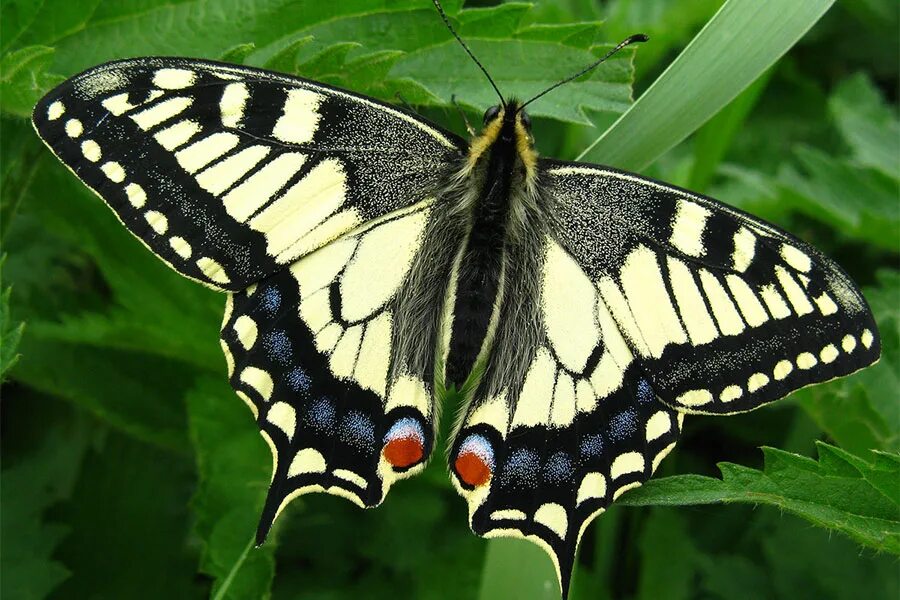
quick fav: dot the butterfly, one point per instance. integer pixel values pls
(371, 261)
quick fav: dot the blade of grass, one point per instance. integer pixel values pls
(516, 568)
(738, 44)
(223, 590)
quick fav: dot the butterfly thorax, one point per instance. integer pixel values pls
(497, 183)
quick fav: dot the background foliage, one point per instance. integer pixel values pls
(130, 470)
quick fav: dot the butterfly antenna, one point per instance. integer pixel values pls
(441, 12)
(640, 37)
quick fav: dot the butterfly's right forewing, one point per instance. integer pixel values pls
(722, 311)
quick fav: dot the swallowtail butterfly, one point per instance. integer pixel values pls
(372, 260)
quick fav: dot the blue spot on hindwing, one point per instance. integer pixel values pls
(558, 468)
(623, 425)
(521, 469)
(321, 415)
(278, 347)
(358, 431)
(270, 300)
(645, 393)
(591, 446)
(298, 380)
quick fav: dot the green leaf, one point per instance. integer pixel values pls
(326, 63)
(234, 469)
(10, 335)
(858, 202)
(371, 70)
(496, 21)
(522, 69)
(241, 571)
(861, 412)
(827, 495)
(20, 150)
(16, 16)
(670, 24)
(137, 393)
(286, 60)
(238, 53)
(10, 331)
(712, 141)
(376, 26)
(881, 474)
(341, 64)
(736, 46)
(869, 126)
(56, 19)
(579, 35)
(129, 508)
(37, 479)
(276, 29)
(24, 79)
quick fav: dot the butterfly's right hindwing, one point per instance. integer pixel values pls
(545, 445)
(231, 173)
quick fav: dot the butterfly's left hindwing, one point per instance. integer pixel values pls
(231, 173)
(317, 351)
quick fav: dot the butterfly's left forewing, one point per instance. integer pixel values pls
(231, 173)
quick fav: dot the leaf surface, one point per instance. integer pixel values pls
(835, 493)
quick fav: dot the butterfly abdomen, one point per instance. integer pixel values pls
(493, 183)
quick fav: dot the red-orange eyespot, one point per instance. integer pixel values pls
(404, 443)
(474, 462)
(472, 470)
(403, 452)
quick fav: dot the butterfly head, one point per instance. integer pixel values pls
(506, 124)
(510, 113)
